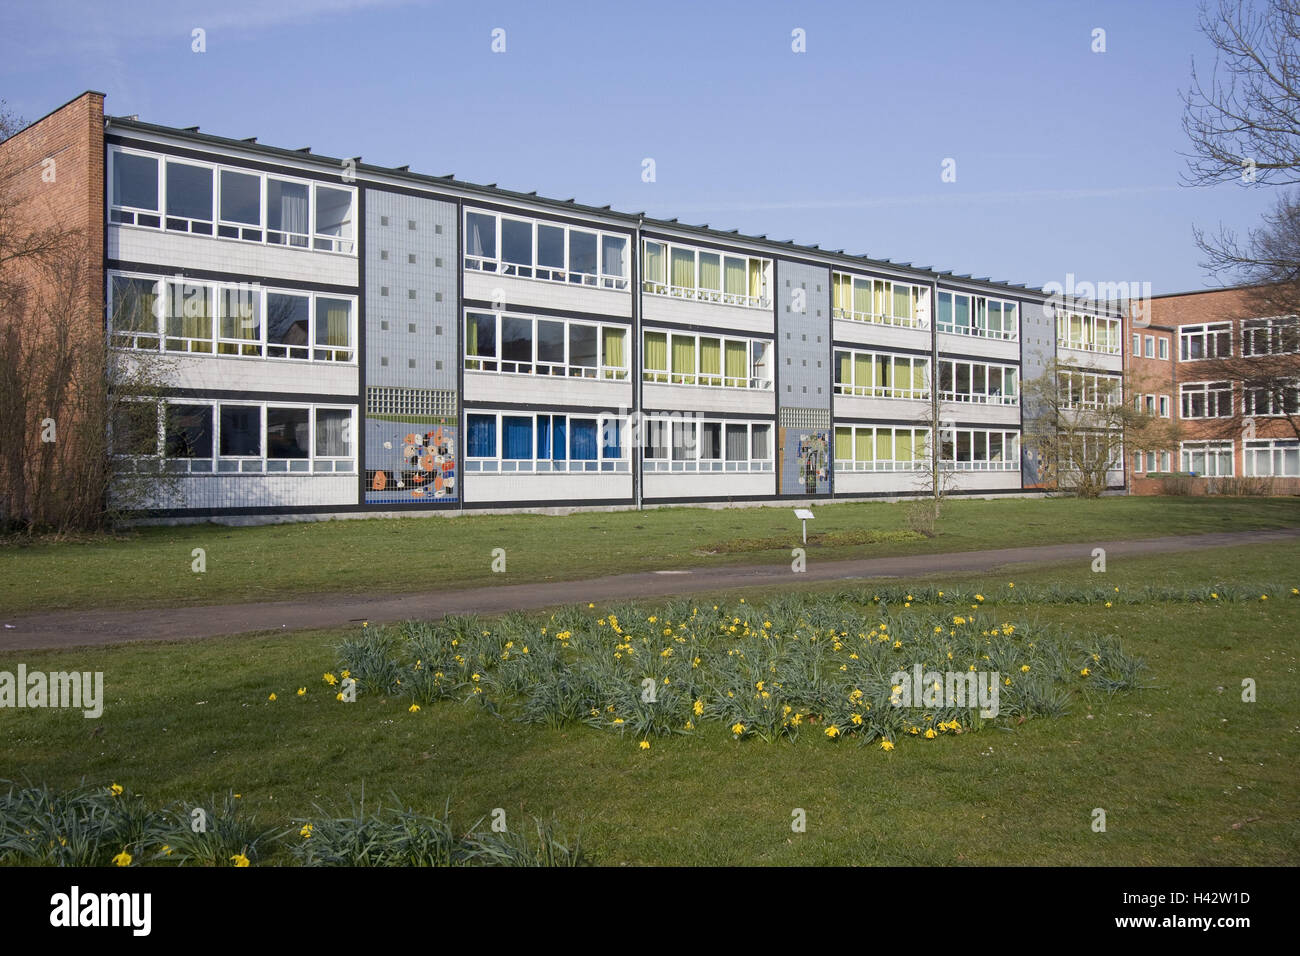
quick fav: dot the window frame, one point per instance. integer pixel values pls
(664, 287)
(535, 269)
(498, 464)
(662, 426)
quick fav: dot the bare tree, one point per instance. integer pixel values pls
(1080, 424)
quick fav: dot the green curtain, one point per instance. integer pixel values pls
(844, 444)
(862, 377)
(862, 295)
(755, 278)
(903, 446)
(654, 262)
(880, 297)
(863, 446)
(884, 380)
(711, 361)
(683, 261)
(1009, 376)
(656, 356)
(735, 276)
(845, 360)
(471, 338)
(918, 376)
(133, 310)
(902, 373)
(683, 360)
(738, 363)
(710, 271)
(336, 326)
(615, 357)
(190, 317)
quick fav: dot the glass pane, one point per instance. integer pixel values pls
(241, 198)
(240, 313)
(481, 235)
(517, 242)
(582, 439)
(189, 191)
(683, 268)
(333, 433)
(286, 432)
(241, 430)
(711, 440)
(550, 341)
(737, 442)
(481, 334)
(654, 262)
(550, 246)
(287, 319)
(683, 441)
(189, 431)
(614, 255)
(710, 271)
(135, 428)
(582, 251)
(516, 339)
(516, 437)
(734, 275)
(582, 345)
(482, 439)
(135, 181)
(333, 322)
(760, 448)
(286, 209)
(333, 212)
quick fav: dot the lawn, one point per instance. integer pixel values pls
(1187, 773)
(152, 567)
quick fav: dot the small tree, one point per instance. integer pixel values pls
(1080, 423)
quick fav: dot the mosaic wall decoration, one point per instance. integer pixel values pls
(410, 462)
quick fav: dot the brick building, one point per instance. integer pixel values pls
(1187, 355)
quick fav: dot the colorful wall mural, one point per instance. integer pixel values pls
(408, 462)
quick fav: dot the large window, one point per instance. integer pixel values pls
(237, 437)
(979, 449)
(1206, 399)
(1085, 332)
(685, 272)
(964, 314)
(534, 249)
(230, 202)
(701, 444)
(528, 345)
(1281, 399)
(881, 448)
(881, 375)
(1274, 336)
(1197, 342)
(1208, 459)
(1277, 458)
(183, 315)
(514, 443)
(1082, 389)
(978, 382)
(682, 358)
(881, 301)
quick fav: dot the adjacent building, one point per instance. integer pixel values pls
(339, 337)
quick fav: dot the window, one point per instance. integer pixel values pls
(288, 433)
(333, 330)
(1081, 389)
(881, 375)
(1164, 406)
(188, 436)
(1282, 398)
(685, 272)
(1137, 344)
(532, 249)
(1091, 333)
(1150, 351)
(881, 301)
(545, 443)
(1274, 336)
(135, 189)
(190, 311)
(1197, 342)
(133, 429)
(288, 325)
(705, 445)
(189, 198)
(1138, 466)
(241, 434)
(1272, 459)
(1206, 400)
(134, 312)
(1208, 459)
(978, 382)
(333, 219)
(481, 341)
(537, 346)
(241, 206)
(881, 448)
(706, 360)
(978, 449)
(286, 213)
(1164, 348)
(333, 438)
(240, 321)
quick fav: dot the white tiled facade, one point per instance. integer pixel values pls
(428, 344)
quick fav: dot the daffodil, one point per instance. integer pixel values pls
(1085, 672)
(413, 709)
(302, 691)
(115, 790)
(306, 831)
(645, 745)
(832, 731)
(272, 696)
(122, 859)
(329, 679)
(239, 859)
(737, 728)
(886, 745)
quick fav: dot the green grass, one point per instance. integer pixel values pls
(1188, 774)
(152, 567)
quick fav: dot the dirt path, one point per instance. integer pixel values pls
(77, 628)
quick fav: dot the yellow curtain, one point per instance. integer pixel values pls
(615, 358)
(710, 361)
(883, 379)
(843, 289)
(862, 379)
(902, 374)
(738, 364)
(710, 271)
(862, 295)
(844, 444)
(656, 356)
(903, 302)
(880, 297)
(654, 262)
(683, 360)
(918, 375)
(337, 325)
(683, 262)
(755, 278)
(903, 446)
(862, 447)
(845, 360)
(735, 276)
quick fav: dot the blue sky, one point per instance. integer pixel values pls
(1067, 161)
